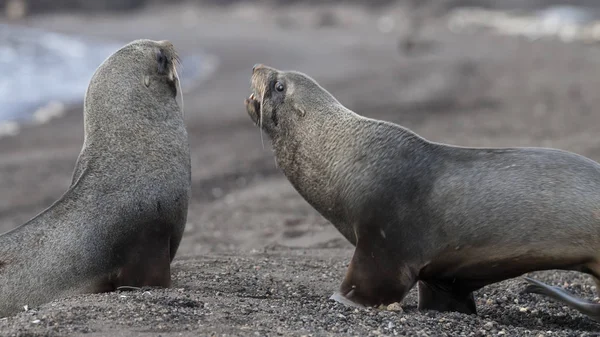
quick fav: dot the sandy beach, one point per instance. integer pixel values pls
(256, 259)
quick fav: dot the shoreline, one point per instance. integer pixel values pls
(20, 108)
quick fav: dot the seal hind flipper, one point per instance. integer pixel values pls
(443, 297)
(588, 308)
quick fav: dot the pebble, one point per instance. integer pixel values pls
(395, 307)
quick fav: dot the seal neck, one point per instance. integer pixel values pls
(335, 164)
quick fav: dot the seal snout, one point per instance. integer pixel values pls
(253, 102)
(253, 108)
(259, 86)
(167, 59)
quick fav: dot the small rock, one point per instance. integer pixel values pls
(35, 321)
(488, 325)
(523, 309)
(395, 307)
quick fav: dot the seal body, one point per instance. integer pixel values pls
(121, 221)
(452, 219)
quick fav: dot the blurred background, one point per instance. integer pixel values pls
(48, 52)
(465, 72)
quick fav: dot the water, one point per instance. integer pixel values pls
(41, 71)
(569, 14)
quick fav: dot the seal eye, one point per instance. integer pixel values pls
(279, 86)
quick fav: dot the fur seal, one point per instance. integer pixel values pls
(121, 220)
(452, 219)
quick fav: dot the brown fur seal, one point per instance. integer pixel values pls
(121, 220)
(453, 219)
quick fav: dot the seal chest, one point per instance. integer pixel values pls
(452, 219)
(121, 220)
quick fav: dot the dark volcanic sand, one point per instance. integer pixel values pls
(256, 259)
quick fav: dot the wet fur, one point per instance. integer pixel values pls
(121, 220)
(451, 218)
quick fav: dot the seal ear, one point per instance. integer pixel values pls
(299, 109)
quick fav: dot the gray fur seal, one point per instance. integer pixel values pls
(452, 219)
(121, 220)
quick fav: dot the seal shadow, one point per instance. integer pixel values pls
(547, 315)
(544, 320)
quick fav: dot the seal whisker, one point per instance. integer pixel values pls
(179, 90)
(177, 59)
(128, 288)
(260, 121)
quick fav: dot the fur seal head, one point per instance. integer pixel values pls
(152, 64)
(314, 138)
(282, 101)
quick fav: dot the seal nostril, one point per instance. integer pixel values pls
(163, 62)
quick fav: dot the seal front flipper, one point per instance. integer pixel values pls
(148, 264)
(375, 276)
(442, 296)
(591, 309)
